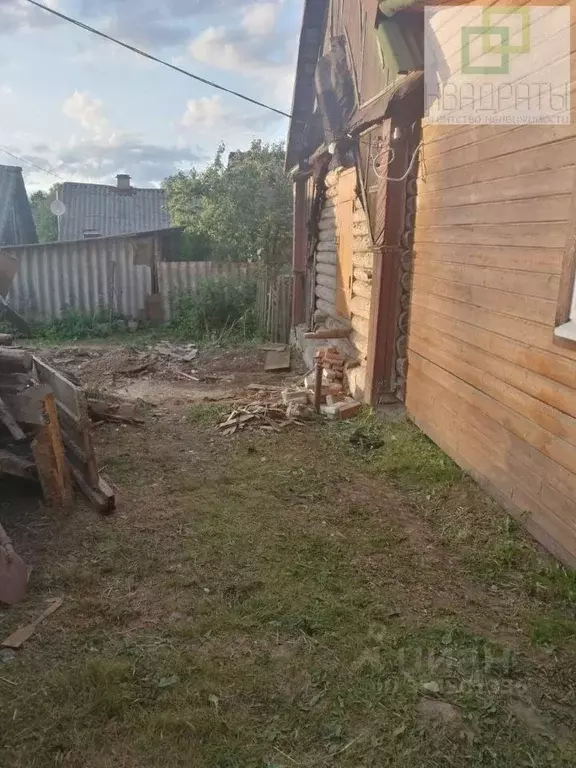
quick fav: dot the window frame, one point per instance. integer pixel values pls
(565, 330)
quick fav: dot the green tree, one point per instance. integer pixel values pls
(46, 222)
(235, 211)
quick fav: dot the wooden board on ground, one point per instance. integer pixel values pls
(278, 360)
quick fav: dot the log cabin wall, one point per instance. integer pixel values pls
(486, 380)
(343, 269)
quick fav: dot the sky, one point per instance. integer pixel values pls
(88, 109)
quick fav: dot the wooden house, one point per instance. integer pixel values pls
(447, 251)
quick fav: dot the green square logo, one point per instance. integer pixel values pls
(523, 13)
(485, 33)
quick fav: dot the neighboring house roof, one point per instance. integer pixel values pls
(102, 210)
(16, 221)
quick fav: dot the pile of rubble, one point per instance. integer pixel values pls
(324, 392)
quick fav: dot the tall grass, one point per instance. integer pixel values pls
(217, 309)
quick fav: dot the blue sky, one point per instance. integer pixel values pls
(89, 109)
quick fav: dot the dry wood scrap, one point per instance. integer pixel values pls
(269, 418)
(7, 418)
(122, 413)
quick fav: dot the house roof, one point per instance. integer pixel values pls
(108, 210)
(402, 54)
(13, 195)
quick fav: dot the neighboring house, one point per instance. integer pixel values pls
(16, 221)
(98, 210)
(454, 274)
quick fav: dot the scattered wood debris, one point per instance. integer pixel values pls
(45, 430)
(268, 418)
(18, 638)
(119, 413)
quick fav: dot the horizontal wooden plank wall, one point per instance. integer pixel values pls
(326, 258)
(485, 380)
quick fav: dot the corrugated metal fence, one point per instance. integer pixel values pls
(119, 275)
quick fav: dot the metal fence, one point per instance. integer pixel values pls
(120, 275)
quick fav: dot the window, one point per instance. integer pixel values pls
(90, 234)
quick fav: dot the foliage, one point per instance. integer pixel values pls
(46, 222)
(236, 211)
(74, 324)
(217, 308)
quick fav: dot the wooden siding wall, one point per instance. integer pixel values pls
(326, 276)
(486, 381)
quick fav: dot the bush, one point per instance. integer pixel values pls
(217, 308)
(73, 325)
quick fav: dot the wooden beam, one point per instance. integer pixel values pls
(11, 464)
(328, 333)
(15, 361)
(10, 422)
(48, 449)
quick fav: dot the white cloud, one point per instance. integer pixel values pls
(259, 19)
(210, 115)
(89, 112)
(20, 15)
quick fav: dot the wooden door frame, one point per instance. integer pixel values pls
(384, 305)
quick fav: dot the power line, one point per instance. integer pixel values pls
(156, 59)
(29, 162)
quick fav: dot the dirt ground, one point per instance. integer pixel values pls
(337, 594)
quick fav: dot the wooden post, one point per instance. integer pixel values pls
(48, 449)
(318, 384)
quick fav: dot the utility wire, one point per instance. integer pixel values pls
(156, 59)
(29, 162)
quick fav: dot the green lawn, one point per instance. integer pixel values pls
(335, 595)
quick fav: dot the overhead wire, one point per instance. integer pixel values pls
(29, 162)
(151, 57)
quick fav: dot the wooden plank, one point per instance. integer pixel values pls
(494, 433)
(7, 418)
(547, 364)
(502, 382)
(502, 146)
(344, 266)
(555, 448)
(519, 187)
(513, 281)
(544, 260)
(101, 497)
(506, 303)
(68, 395)
(551, 157)
(50, 458)
(11, 464)
(506, 325)
(518, 235)
(543, 389)
(553, 208)
(15, 360)
(494, 468)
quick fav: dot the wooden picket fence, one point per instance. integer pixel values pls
(274, 304)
